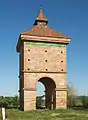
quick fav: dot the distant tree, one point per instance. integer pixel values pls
(12, 102)
(15, 101)
(84, 100)
(78, 102)
(71, 95)
(38, 102)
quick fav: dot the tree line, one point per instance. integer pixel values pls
(10, 102)
(73, 100)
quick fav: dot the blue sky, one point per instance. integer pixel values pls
(69, 17)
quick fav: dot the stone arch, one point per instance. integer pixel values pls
(50, 93)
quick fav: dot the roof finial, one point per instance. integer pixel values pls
(41, 19)
(40, 7)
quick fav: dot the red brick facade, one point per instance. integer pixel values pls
(42, 58)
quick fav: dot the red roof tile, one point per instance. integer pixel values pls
(44, 31)
(41, 28)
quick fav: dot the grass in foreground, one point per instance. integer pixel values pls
(13, 114)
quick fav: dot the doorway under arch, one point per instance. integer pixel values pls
(50, 93)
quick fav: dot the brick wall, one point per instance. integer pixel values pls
(40, 58)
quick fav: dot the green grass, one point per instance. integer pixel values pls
(13, 114)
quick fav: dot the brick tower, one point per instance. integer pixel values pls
(42, 54)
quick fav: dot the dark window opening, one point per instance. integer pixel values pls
(61, 51)
(45, 50)
(28, 59)
(45, 60)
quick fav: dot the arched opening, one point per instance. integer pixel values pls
(50, 93)
(40, 96)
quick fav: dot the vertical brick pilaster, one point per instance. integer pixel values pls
(29, 100)
(61, 99)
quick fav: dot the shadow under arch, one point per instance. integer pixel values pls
(50, 93)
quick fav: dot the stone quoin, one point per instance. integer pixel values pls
(42, 58)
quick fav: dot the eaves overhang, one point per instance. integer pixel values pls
(41, 39)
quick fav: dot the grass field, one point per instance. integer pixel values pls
(13, 114)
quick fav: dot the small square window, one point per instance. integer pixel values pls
(28, 59)
(62, 52)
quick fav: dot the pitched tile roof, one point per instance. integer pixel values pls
(44, 31)
(41, 28)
